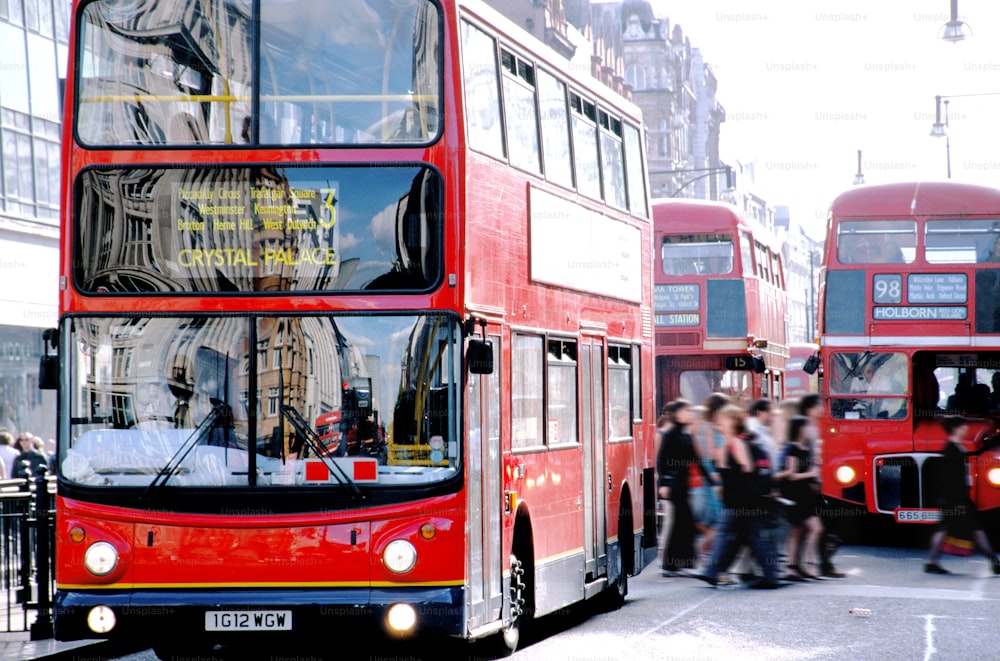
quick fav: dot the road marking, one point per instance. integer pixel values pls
(929, 649)
(679, 615)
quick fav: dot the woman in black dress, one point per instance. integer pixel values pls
(959, 516)
(799, 479)
(677, 454)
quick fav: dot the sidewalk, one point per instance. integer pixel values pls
(20, 647)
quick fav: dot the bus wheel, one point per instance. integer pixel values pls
(613, 596)
(519, 603)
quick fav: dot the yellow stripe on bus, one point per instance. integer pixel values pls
(316, 584)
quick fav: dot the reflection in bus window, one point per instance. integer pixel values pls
(861, 385)
(315, 73)
(876, 242)
(696, 385)
(962, 241)
(170, 400)
(258, 229)
(697, 254)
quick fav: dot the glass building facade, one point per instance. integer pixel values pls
(33, 56)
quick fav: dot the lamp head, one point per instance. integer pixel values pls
(955, 31)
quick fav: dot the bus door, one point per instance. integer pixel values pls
(485, 491)
(593, 434)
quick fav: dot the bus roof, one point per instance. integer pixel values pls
(710, 214)
(672, 214)
(915, 199)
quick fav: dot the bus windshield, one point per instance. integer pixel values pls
(697, 254)
(264, 401)
(868, 385)
(876, 242)
(174, 74)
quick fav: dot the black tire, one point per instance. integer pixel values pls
(521, 597)
(614, 595)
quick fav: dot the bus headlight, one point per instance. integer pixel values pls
(399, 556)
(993, 476)
(101, 619)
(845, 474)
(101, 558)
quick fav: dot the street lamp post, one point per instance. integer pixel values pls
(704, 172)
(940, 127)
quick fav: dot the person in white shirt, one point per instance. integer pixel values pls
(8, 455)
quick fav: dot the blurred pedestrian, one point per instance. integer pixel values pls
(711, 444)
(798, 475)
(959, 516)
(705, 501)
(677, 454)
(8, 454)
(811, 406)
(760, 422)
(746, 479)
(29, 458)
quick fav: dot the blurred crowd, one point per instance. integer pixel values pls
(21, 457)
(742, 487)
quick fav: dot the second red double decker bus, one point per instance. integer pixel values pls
(720, 304)
(407, 219)
(910, 333)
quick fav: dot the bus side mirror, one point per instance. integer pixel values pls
(48, 366)
(811, 365)
(759, 366)
(479, 356)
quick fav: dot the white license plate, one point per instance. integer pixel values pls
(918, 515)
(248, 620)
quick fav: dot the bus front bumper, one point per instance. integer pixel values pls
(234, 615)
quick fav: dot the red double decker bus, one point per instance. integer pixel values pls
(909, 333)
(270, 208)
(719, 304)
(801, 378)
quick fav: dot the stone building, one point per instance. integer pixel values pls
(676, 90)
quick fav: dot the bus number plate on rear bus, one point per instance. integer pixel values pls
(248, 620)
(918, 515)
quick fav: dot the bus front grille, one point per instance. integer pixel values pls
(897, 483)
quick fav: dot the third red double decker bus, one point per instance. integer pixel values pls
(801, 378)
(909, 333)
(720, 304)
(406, 220)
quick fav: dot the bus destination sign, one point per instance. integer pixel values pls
(918, 312)
(676, 298)
(937, 288)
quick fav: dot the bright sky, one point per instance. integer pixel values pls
(806, 84)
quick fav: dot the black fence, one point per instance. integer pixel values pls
(27, 556)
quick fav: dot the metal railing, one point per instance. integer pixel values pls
(27, 556)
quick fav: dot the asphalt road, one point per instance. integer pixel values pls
(913, 615)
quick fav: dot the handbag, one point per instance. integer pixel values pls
(953, 545)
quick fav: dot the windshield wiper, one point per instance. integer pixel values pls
(307, 434)
(200, 432)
